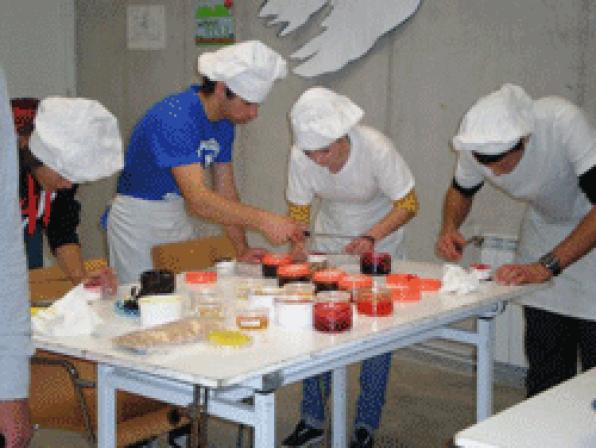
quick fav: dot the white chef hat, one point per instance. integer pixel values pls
(496, 122)
(78, 138)
(247, 68)
(321, 116)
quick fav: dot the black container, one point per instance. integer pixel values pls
(160, 281)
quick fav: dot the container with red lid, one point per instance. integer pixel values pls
(202, 291)
(332, 311)
(482, 271)
(272, 261)
(427, 284)
(374, 302)
(298, 272)
(375, 263)
(353, 282)
(327, 279)
(402, 287)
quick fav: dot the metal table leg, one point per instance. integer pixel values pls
(339, 413)
(264, 419)
(484, 373)
(106, 407)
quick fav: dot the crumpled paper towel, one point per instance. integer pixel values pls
(69, 316)
(458, 281)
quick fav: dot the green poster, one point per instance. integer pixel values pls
(214, 22)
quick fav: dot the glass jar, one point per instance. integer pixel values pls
(353, 282)
(374, 302)
(252, 318)
(375, 263)
(298, 272)
(332, 311)
(327, 279)
(272, 261)
(317, 262)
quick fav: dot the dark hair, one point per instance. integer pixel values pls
(487, 159)
(208, 87)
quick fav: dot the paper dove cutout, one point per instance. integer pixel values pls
(351, 28)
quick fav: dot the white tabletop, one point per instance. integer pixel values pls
(561, 417)
(274, 348)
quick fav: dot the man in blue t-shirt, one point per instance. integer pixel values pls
(172, 147)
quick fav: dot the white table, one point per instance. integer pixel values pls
(279, 357)
(562, 416)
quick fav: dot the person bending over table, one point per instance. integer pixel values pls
(367, 190)
(173, 148)
(542, 152)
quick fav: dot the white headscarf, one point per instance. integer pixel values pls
(78, 138)
(496, 122)
(248, 68)
(321, 116)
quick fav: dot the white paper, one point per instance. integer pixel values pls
(146, 27)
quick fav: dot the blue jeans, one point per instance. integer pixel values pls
(374, 373)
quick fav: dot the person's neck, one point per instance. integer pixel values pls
(211, 106)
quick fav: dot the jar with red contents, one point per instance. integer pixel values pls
(375, 263)
(327, 279)
(298, 272)
(353, 282)
(332, 312)
(272, 261)
(374, 302)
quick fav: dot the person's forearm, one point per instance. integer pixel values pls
(392, 221)
(70, 260)
(455, 210)
(579, 242)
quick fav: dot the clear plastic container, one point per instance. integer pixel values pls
(252, 318)
(354, 282)
(294, 312)
(375, 263)
(200, 287)
(374, 302)
(332, 312)
(265, 297)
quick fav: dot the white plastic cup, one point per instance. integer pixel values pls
(160, 309)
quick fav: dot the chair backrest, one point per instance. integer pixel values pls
(200, 253)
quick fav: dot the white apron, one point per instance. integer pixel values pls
(355, 218)
(136, 225)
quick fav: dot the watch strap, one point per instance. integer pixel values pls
(551, 262)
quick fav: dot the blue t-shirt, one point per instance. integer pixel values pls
(173, 132)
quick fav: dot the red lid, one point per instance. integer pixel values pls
(328, 275)
(199, 277)
(350, 281)
(275, 259)
(399, 279)
(427, 284)
(293, 270)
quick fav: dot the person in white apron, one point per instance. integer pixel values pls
(172, 147)
(542, 152)
(365, 189)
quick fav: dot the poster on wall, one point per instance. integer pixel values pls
(214, 22)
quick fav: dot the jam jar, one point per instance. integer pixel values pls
(272, 261)
(353, 282)
(375, 263)
(332, 311)
(374, 302)
(327, 279)
(299, 272)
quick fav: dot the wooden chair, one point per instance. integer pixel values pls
(200, 253)
(62, 391)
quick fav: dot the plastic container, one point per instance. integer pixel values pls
(374, 302)
(399, 279)
(327, 279)
(265, 297)
(272, 261)
(225, 268)
(332, 311)
(402, 287)
(299, 272)
(317, 262)
(245, 285)
(375, 263)
(294, 312)
(305, 290)
(200, 287)
(160, 309)
(252, 318)
(354, 282)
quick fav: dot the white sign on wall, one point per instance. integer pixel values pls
(146, 27)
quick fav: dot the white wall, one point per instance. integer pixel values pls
(414, 85)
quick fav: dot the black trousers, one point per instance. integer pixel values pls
(553, 342)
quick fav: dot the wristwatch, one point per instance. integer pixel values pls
(551, 262)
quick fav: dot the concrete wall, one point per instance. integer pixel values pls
(414, 85)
